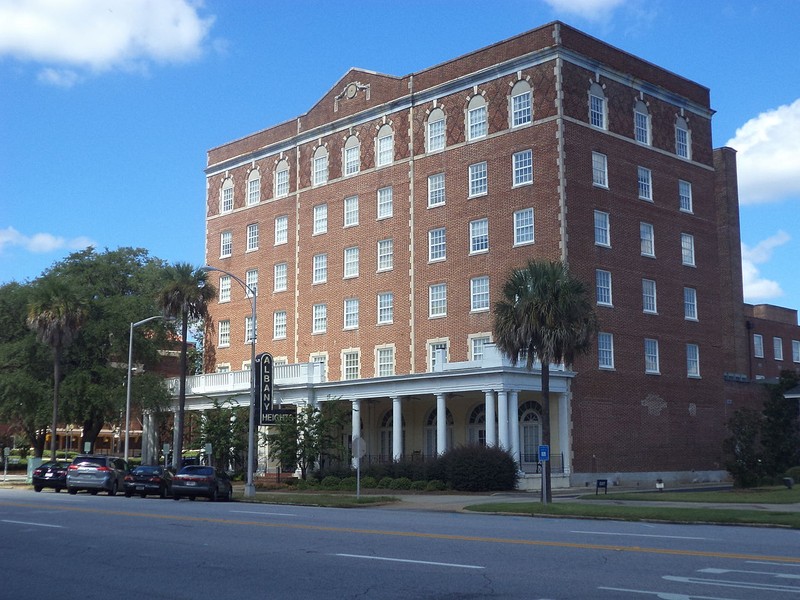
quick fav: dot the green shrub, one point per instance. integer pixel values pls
(435, 485)
(401, 483)
(330, 482)
(794, 473)
(385, 482)
(369, 482)
(480, 469)
(419, 485)
(348, 484)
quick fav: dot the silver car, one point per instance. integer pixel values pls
(96, 473)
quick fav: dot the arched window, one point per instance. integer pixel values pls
(530, 431)
(384, 147)
(282, 179)
(477, 426)
(226, 196)
(319, 167)
(597, 107)
(430, 432)
(436, 130)
(641, 123)
(387, 452)
(477, 123)
(253, 188)
(521, 109)
(683, 138)
(352, 156)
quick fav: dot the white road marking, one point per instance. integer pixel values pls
(405, 560)
(775, 564)
(714, 571)
(734, 584)
(664, 595)
(34, 524)
(648, 535)
(264, 514)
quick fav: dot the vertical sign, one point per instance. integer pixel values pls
(264, 385)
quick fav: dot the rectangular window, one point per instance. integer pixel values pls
(478, 179)
(681, 142)
(477, 347)
(523, 227)
(437, 300)
(599, 170)
(224, 289)
(690, 304)
(252, 237)
(649, 303)
(351, 211)
(777, 348)
(227, 199)
(225, 244)
(645, 178)
(603, 287)
(597, 111)
(385, 203)
(385, 255)
(651, 356)
(279, 325)
(352, 160)
(280, 278)
(351, 306)
(281, 230)
(320, 219)
(253, 191)
(477, 122)
(523, 167)
(351, 262)
(320, 318)
(351, 364)
(479, 236)
(385, 308)
(648, 240)
(796, 351)
(437, 244)
(224, 334)
(249, 334)
(282, 183)
(385, 358)
(385, 150)
(758, 345)
(692, 360)
(436, 190)
(435, 135)
(642, 127)
(685, 195)
(479, 293)
(687, 249)
(320, 271)
(605, 350)
(434, 349)
(521, 109)
(251, 279)
(602, 234)
(320, 175)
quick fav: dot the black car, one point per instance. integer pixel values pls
(96, 473)
(149, 479)
(197, 480)
(51, 474)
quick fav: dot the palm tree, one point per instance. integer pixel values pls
(185, 295)
(56, 313)
(545, 314)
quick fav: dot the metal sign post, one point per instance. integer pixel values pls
(544, 456)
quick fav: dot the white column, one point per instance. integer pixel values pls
(397, 429)
(355, 428)
(513, 423)
(502, 419)
(564, 442)
(149, 439)
(491, 430)
(441, 424)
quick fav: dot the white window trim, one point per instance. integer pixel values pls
(610, 337)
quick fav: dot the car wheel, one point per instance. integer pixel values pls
(192, 498)
(162, 493)
(93, 492)
(37, 488)
(176, 497)
(212, 497)
(229, 497)
(143, 495)
(128, 494)
(72, 491)
(113, 490)
(57, 490)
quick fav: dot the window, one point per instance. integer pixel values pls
(690, 304)
(282, 179)
(319, 169)
(385, 146)
(647, 237)
(226, 196)
(796, 351)
(320, 318)
(476, 118)
(224, 288)
(385, 308)
(385, 255)
(758, 345)
(687, 249)
(224, 334)
(479, 293)
(251, 279)
(320, 271)
(279, 324)
(478, 181)
(682, 138)
(685, 195)
(521, 113)
(603, 287)
(479, 236)
(523, 167)
(253, 188)
(437, 300)
(645, 178)
(477, 346)
(641, 123)
(350, 364)
(437, 244)
(599, 169)
(436, 137)
(225, 244)
(252, 237)
(602, 234)
(692, 360)
(249, 333)
(651, 356)
(385, 208)
(385, 360)
(352, 156)
(351, 262)
(434, 349)
(523, 227)
(351, 306)
(605, 350)
(597, 106)
(351, 211)
(281, 276)
(777, 348)
(320, 219)
(436, 190)
(649, 303)
(281, 230)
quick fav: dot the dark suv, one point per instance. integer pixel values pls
(95, 473)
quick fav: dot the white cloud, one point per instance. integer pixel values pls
(756, 287)
(593, 10)
(768, 155)
(41, 243)
(73, 36)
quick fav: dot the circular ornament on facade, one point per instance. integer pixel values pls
(350, 91)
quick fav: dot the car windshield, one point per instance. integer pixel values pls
(91, 461)
(148, 471)
(197, 470)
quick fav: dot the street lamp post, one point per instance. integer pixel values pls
(249, 488)
(128, 398)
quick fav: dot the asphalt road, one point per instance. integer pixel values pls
(62, 546)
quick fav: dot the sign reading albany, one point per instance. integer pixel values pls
(268, 414)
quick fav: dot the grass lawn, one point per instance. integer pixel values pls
(765, 495)
(333, 500)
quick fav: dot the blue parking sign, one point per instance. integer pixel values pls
(544, 453)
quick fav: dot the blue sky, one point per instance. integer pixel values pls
(107, 107)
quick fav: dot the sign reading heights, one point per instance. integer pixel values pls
(268, 414)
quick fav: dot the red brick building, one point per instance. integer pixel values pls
(379, 227)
